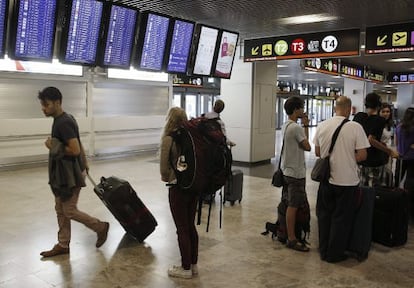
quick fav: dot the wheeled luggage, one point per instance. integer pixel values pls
(233, 189)
(361, 235)
(121, 199)
(390, 224)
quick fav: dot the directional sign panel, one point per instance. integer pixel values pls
(352, 70)
(390, 38)
(323, 44)
(327, 65)
(400, 77)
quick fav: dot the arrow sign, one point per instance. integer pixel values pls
(381, 40)
(255, 51)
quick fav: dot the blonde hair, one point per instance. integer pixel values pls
(175, 117)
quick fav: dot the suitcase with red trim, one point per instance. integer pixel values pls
(121, 199)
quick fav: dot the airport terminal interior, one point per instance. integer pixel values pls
(237, 255)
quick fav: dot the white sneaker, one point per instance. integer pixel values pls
(194, 269)
(179, 272)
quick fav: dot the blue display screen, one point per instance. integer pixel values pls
(120, 38)
(84, 29)
(2, 25)
(180, 46)
(154, 42)
(35, 29)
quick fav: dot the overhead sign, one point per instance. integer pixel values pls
(374, 75)
(323, 44)
(327, 66)
(401, 77)
(390, 38)
(352, 70)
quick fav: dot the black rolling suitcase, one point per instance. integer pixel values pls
(121, 199)
(233, 190)
(390, 223)
(361, 235)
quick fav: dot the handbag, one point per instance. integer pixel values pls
(322, 169)
(277, 179)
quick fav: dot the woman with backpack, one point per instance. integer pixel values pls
(183, 205)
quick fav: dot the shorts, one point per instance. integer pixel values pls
(294, 191)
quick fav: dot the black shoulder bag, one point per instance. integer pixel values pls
(322, 170)
(277, 179)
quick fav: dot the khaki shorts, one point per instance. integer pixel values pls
(294, 191)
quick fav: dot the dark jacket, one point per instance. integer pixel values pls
(65, 172)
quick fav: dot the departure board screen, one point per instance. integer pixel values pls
(225, 56)
(206, 46)
(180, 46)
(155, 39)
(3, 21)
(120, 36)
(84, 30)
(35, 30)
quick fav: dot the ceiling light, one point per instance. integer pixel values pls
(331, 83)
(400, 60)
(362, 46)
(311, 18)
(310, 72)
(281, 66)
(283, 76)
(311, 79)
(336, 77)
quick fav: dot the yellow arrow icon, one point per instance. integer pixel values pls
(255, 50)
(381, 40)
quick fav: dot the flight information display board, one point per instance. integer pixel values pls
(151, 54)
(83, 32)
(225, 54)
(34, 35)
(179, 52)
(3, 21)
(120, 36)
(206, 47)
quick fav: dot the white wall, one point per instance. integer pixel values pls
(356, 90)
(405, 98)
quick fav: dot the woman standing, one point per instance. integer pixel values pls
(183, 205)
(387, 139)
(405, 145)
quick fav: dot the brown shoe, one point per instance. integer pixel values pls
(56, 250)
(102, 235)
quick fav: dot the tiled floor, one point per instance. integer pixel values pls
(234, 256)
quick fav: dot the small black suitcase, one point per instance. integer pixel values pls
(121, 199)
(390, 224)
(233, 190)
(361, 235)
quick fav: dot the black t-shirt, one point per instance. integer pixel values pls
(373, 125)
(64, 128)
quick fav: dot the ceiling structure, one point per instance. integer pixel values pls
(258, 19)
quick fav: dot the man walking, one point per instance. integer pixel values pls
(293, 166)
(67, 168)
(335, 202)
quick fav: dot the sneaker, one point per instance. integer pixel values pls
(56, 250)
(179, 272)
(102, 235)
(296, 245)
(194, 269)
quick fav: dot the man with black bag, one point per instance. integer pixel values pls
(292, 164)
(335, 207)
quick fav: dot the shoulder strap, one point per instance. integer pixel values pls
(336, 133)
(283, 143)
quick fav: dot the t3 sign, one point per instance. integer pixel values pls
(323, 44)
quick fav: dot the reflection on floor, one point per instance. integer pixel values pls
(234, 256)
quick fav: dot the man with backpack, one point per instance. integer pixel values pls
(215, 114)
(293, 167)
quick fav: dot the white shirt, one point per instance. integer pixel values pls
(344, 168)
